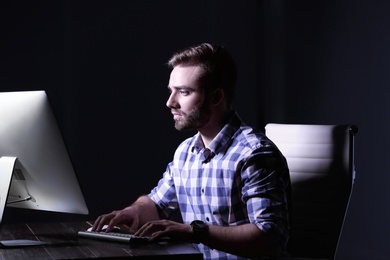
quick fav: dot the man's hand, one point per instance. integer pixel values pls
(140, 212)
(166, 228)
(127, 216)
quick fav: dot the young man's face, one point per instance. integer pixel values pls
(187, 100)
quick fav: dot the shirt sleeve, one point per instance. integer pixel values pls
(265, 191)
(164, 194)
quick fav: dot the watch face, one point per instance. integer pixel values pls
(198, 227)
(198, 224)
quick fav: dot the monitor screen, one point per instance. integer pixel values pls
(43, 176)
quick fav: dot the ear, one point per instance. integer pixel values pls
(217, 96)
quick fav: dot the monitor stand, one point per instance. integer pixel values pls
(7, 164)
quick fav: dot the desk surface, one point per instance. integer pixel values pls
(65, 244)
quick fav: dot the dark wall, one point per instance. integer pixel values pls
(103, 66)
(333, 68)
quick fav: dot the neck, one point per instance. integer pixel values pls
(209, 131)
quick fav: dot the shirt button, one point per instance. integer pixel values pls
(202, 190)
(207, 219)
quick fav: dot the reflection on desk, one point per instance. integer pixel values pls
(64, 243)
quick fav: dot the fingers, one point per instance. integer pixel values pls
(154, 229)
(165, 229)
(117, 218)
(146, 230)
(103, 220)
(98, 225)
(133, 227)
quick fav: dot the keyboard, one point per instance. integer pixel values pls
(113, 236)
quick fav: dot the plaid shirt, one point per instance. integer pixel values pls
(241, 178)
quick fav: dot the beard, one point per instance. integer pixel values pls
(194, 119)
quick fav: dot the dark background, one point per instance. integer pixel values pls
(102, 64)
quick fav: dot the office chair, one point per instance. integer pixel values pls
(322, 172)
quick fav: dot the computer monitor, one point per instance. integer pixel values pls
(35, 169)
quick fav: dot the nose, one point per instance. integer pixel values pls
(171, 102)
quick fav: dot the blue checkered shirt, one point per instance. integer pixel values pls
(241, 178)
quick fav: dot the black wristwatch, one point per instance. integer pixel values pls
(198, 228)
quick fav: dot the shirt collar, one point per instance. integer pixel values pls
(222, 139)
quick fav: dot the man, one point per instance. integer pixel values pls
(231, 184)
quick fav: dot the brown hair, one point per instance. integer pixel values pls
(219, 68)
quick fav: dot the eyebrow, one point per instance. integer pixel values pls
(180, 87)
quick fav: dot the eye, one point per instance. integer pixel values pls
(184, 92)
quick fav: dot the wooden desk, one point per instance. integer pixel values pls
(65, 244)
